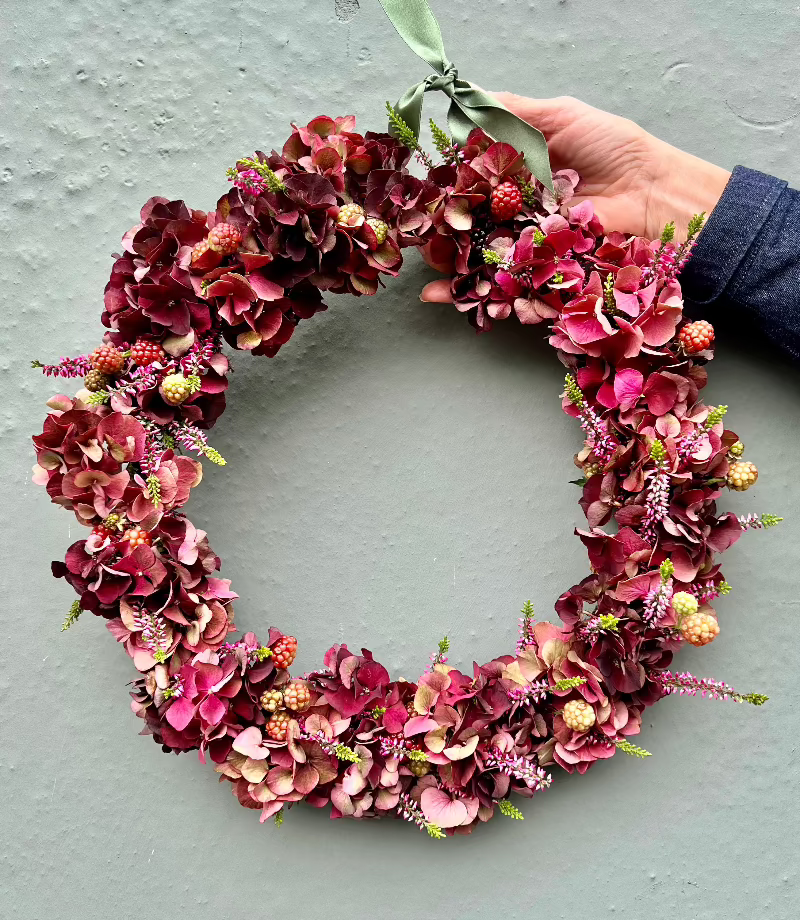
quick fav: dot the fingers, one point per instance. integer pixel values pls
(436, 292)
(548, 115)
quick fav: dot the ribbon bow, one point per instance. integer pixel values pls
(470, 107)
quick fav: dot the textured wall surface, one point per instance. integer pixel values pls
(391, 477)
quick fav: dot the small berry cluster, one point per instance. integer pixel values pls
(506, 201)
(578, 715)
(145, 353)
(696, 337)
(107, 359)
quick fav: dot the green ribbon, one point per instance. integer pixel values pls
(470, 107)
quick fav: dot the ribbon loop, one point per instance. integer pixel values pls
(470, 107)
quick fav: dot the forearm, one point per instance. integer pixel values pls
(747, 259)
(685, 186)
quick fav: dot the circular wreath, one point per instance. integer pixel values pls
(332, 212)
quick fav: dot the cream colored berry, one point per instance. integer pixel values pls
(419, 767)
(684, 604)
(591, 469)
(350, 215)
(271, 700)
(380, 228)
(742, 475)
(699, 628)
(578, 715)
(175, 389)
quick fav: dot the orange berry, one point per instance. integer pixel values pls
(225, 239)
(284, 651)
(297, 696)
(697, 336)
(278, 726)
(699, 628)
(107, 359)
(137, 537)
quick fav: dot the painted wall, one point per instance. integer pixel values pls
(391, 477)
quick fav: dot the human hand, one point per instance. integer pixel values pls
(636, 182)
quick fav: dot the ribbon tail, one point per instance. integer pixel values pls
(417, 26)
(459, 123)
(409, 107)
(524, 137)
(501, 124)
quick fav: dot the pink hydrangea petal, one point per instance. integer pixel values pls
(439, 808)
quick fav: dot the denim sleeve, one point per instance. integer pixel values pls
(745, 266)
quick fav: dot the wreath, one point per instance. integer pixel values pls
(332, 212)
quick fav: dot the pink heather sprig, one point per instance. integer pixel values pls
(248, 180)
(681, 255)
(439, 656)
(520, 768)
(687, 684)
(448, 149)
(244, 174)
(156, 443)
(151, 460)
(758, 521)
(408, 809)
(319, 738)
(196, 440)
(657, 502)
(397, 746)
(535, 692)
(662, 254)
(154, 633)
(332, 748)
(596, 429)
(657, 602)
(592, 628)
(708, 592)
(201, 351)
(525, 627)
(393, 746)
(669, 259)
(175, 689)
(141, 379)
(248, 653)
(66, 367)
(689, 444)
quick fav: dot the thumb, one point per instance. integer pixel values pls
(436, 292)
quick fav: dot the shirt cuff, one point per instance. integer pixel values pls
(729, 232)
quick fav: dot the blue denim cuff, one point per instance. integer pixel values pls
(730, 231)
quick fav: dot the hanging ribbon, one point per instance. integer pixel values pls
(470, 107)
